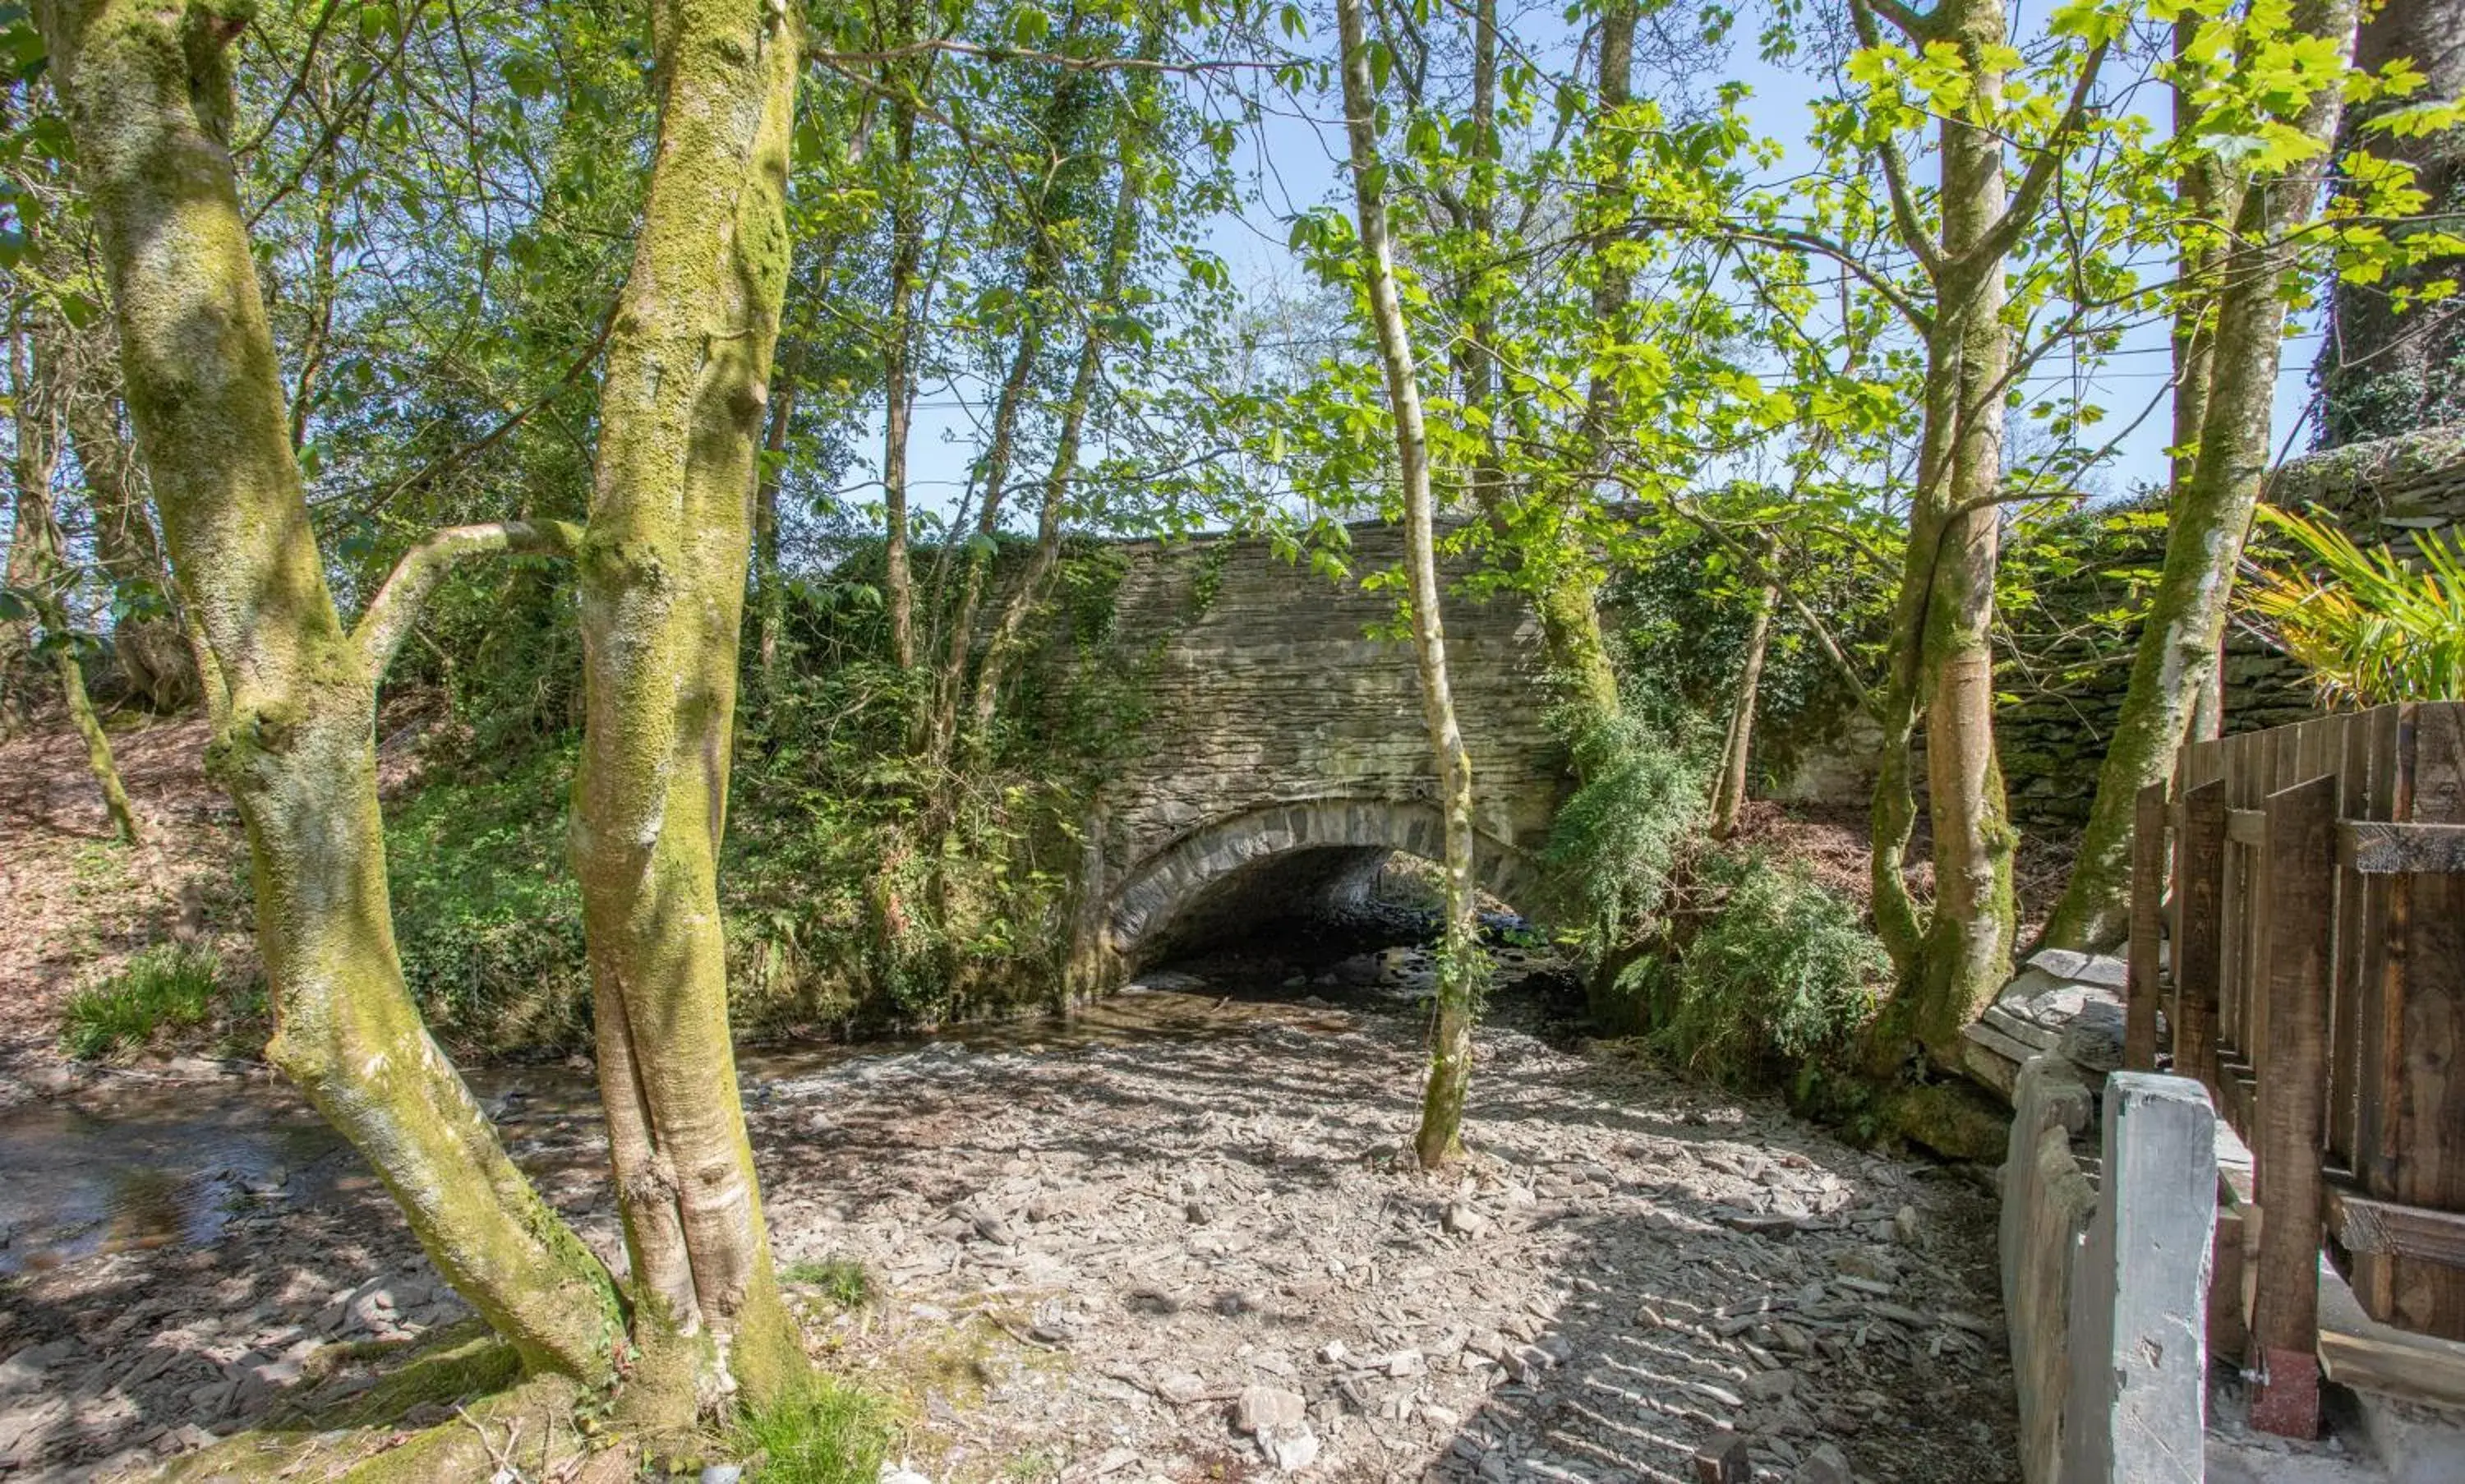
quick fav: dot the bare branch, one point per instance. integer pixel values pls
(396, 607)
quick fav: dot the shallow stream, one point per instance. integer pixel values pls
(146, 1160)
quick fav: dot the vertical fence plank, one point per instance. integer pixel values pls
(2201, 863)
(2345, 991)
(2428, 954)
(2147, 893)
(2301, 856)
(2376, 1037)
(2234, 767)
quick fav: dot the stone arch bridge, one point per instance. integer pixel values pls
(1282, 755)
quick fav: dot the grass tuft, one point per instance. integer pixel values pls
(166, 985)
(826, 1433)
(842, 1280)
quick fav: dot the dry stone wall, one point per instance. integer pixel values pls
(2066, 673)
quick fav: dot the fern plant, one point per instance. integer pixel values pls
(2369, 626)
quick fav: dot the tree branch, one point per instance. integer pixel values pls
(1792, 237)
(1887, 149)
(2030, 192)
(1908, 22)
(396, 607)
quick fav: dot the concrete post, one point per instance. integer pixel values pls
(2138, 1404)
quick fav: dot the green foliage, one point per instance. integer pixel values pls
(1683, 609)
(1781, 973)
(842, 1280)
(486, 910)
(829, 1432)
(1616, 843)
(165, 987)
(2370, 626)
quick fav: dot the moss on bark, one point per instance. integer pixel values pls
(294, 697)
(663, 574)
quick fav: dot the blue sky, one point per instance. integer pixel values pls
(1291, 162)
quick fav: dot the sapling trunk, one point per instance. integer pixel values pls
(1737, 746)
(1460, 968)
(899, 381)
(1120, 252)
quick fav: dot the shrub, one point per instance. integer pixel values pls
(1618, 841)
(1782, 972)
(166, 985)
(486, 910)
(826, 1433)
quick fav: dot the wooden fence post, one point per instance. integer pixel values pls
(2201, 860)
(2293, 1096)
(2147, 892)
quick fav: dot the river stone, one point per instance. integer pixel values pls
(1291, 1451)
(1181, 1388)
(1267, 1409)
(1826, 1465)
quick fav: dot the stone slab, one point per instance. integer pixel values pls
(2020, 1027)
(2046, 1206)
(2136, 1403)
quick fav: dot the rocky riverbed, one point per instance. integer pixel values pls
(1179, 1239)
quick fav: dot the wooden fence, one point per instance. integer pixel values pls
(2318, 987)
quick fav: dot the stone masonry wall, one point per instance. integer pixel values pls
(2069, 680)
(1276, 722)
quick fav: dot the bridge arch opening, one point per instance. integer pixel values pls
(1233, 875)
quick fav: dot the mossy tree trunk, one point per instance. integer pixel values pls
(2176, 661)
(2388, 367)
(1567, 593)
(1460, 970)
(1952, 957)
(148, 638)
(150, 99)
(899, 348)
(1737, 744)
(663, 578)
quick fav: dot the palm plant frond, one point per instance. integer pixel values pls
(2370, 626)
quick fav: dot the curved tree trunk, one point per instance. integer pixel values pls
(1440, 1138)
(2176, 663)
(147, 641)
(33, 379)
(149, 100)
(663, 578)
